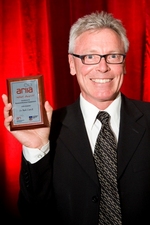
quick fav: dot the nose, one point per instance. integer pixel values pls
(102, 65)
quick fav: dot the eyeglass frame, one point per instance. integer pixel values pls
(101, 56)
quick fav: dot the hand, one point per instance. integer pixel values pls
(32, 138)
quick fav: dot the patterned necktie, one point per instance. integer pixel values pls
(105, 156)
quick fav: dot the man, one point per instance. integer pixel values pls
(58, 181)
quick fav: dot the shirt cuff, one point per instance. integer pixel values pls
(34, 154)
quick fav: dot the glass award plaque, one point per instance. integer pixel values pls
(27, 97)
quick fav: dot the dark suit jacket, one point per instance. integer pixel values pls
(63, 186)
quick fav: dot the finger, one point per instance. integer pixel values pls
(7, 109)
(7, 106)
(5, 99)
(7, 122)
(49, 110)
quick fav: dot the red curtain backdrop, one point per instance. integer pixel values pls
(34, 40)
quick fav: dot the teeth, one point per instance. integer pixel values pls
(102, 81)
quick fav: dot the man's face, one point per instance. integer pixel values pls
(100, 83)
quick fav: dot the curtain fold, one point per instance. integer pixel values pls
(146, 60)
(34, 40)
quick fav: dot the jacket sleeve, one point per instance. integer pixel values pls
(35, 196)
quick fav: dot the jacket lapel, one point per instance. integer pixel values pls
(75, 137)
(130, 133)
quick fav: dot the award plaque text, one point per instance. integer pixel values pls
(27, 97)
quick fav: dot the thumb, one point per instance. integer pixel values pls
(49, 111)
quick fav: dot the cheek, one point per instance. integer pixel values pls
(82, 74)
(85, 70)
(82, 71)
(120, 80)
(119, 77)
(120, 73)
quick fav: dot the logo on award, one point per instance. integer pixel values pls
(32, 117)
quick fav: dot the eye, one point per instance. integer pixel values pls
(91, 59)
(113, 56)
(89, 56)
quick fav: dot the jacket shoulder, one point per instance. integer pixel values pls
(134, 106)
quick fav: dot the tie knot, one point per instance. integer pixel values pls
(103, 117)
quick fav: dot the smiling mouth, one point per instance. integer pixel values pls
(101, 81)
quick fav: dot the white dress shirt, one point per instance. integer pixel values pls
(92, 125)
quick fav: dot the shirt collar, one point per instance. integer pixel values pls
(90, 111)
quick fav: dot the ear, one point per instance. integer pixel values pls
(71, 64)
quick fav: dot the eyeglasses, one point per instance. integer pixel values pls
(92, 59)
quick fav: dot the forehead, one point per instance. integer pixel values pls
(96, 40)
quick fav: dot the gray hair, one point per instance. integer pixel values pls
(96, 21)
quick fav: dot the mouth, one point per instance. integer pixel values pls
(101, 81)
